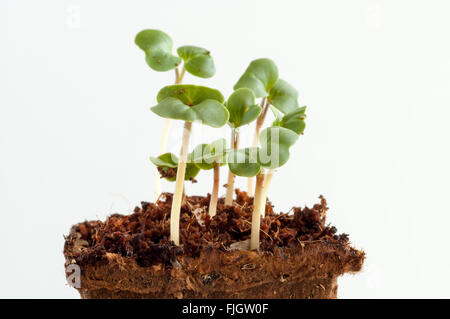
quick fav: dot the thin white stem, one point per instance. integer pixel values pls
(231, 176)
(250, 183)
(215, 191)
(258, 125)
(230, 189)
(181, 75)
(179, 183)
(258, 206)
(177, 75)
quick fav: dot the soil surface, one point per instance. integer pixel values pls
(144, 235)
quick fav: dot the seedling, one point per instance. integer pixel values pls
(261, 76)
(273, 153)
(207, 157)
(157, 47)
(243, 110)
(189, 103)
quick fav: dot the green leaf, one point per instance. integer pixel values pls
(165, 160)
(157, 46)
(192, 103)
(275, 143)
(206, 155)
(283, 96)
(260, 76)
(242, 107)
(168, 163)
(190, 94)
(197, 61)
(244, 162)
(295, 120)
(191, 171)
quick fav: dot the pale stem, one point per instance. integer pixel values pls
(258, 206)
(267, 180)
(181, 75)
(258, 125)
(165, 135)
(231, 176)
(179, 186)
(215, 191)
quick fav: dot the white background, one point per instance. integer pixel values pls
(76, 131)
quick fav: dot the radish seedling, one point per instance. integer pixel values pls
(273, 153)
(157, 46)
(243, 110)
(261, 76)
(189, 103)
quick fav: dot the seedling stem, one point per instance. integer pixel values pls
(259, 124)
(215, 191)
(231, 176)
(179, 186)
(258, 209)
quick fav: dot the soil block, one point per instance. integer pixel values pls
(131, 256)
